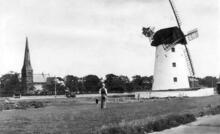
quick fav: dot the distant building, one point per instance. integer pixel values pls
(29, 80)
(40, 80)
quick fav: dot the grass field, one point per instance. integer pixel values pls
(83, 116)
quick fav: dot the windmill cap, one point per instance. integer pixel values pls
(168, 36)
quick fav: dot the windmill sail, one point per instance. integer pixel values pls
(167, 47)
(148, 32)
(175, 13)
(191, 35)
(189, 62)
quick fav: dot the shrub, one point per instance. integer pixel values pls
(211, 111)
(29, 104)
(149, 126)
(21, 105)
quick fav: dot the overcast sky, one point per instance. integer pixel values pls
(82, 37)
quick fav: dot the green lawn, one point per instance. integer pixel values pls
(80, 116)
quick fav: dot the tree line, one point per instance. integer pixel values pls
(10, 84)
(92, 84)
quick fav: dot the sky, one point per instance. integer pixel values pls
(81, 37)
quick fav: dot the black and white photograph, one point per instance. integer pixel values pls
(109, 67)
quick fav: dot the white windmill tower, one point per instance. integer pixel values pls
(173, 67)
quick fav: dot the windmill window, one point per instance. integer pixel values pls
(175, 79)
(173, 49)
(174, 64)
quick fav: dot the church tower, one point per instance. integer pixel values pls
(27, 71)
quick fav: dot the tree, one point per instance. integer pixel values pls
(208, 81)
(52, 84)
(141, 83)
(116, 83)
(147, 83)
(10, 84)
(81, 85)
(92, 83)
(136, 83)
(125, 83)
(72, 83)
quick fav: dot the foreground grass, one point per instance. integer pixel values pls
(158, 123)
(146, 126)
(78, 116)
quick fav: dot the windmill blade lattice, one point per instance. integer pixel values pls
(189, 61)
(176, 14)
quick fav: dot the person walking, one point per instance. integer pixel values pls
(104, 93)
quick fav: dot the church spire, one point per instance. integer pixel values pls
(27, 71)
(27, 60)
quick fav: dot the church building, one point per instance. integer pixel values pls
(31, 82)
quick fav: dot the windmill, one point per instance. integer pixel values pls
(173, 69)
